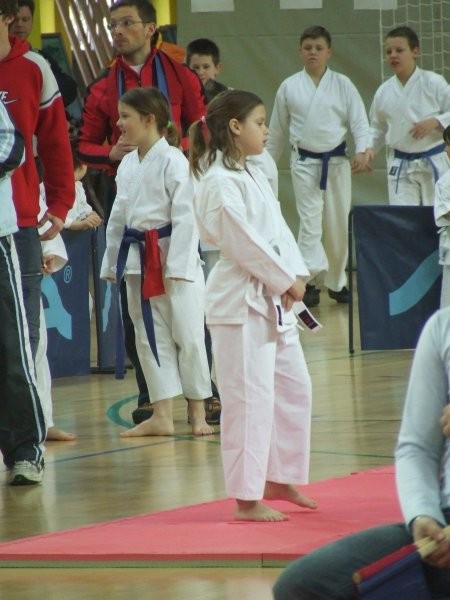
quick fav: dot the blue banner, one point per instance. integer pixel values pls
(105, 298)
(65, 296)
(398, 274)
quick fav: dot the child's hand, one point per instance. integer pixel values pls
(90, 221)
(423, 128)
(287, 301)
(118, 151)
(297, 290)
(48, 264)
(360, 163)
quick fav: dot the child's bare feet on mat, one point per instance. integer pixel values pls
(287, 492)
(54, 434)
(153, 426)
(196, 412)
(253, 510)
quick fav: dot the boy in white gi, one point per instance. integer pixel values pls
(261, 371)
(408, 114)
(152, 239)
(442, 218)
(314, 109)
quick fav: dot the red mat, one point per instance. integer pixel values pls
(206, 535)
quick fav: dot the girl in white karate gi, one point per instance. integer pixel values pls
(261, 371)
(408, 114)
(154, 195)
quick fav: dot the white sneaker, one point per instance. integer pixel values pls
(26, 472)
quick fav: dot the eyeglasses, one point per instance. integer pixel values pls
(125, 23)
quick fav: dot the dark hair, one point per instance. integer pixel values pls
(9, 8)
(151, 101)
(205, 47)
(446, 135)
(231, 104)
(77, 164)
(405, 32)
(146, 10)
(29, 3)
(314, 32)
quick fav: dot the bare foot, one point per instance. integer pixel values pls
(288, 492)
(196, 414)
(247, 510)
(54, 434)
(154, 426)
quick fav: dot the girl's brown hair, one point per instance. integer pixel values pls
(230, 104)
(150, 101)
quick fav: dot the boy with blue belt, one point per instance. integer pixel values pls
(314, 109)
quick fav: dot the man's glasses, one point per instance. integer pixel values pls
(125, 23)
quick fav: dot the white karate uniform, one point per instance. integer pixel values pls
(441, 209)
(81, 207)
(317, 119)
(394, 111)
(56, 248)
(263, 380)
(151, 193)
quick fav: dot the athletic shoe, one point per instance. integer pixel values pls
(213, 408)
(342, 297)
(26, 472)
(312, 296)
(142, 413)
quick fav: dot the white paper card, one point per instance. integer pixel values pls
(212, 5)
(300, 4)
(375, 4)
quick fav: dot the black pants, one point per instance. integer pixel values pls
(22, 426)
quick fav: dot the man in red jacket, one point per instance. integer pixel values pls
(132, 25)
(138, 63)
(30, 92)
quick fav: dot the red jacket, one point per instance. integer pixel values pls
(30, 92)
(100, 113)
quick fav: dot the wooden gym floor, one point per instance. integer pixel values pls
(357, 402)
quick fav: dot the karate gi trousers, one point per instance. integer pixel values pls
(323, 232)
(178, 319)
(265, 390)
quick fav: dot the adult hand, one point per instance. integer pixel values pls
(56, 225)
(425, 526)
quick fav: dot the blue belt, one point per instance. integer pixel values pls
(415, 156)
(325, 158)
(135, 236)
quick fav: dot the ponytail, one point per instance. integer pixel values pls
(197, 146)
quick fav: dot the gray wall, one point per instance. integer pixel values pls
(259, 48)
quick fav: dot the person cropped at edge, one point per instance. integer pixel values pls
(315, 109)
(422, 462)
(138, 64)
(408, 114)
(36, 106)
(22, 427)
